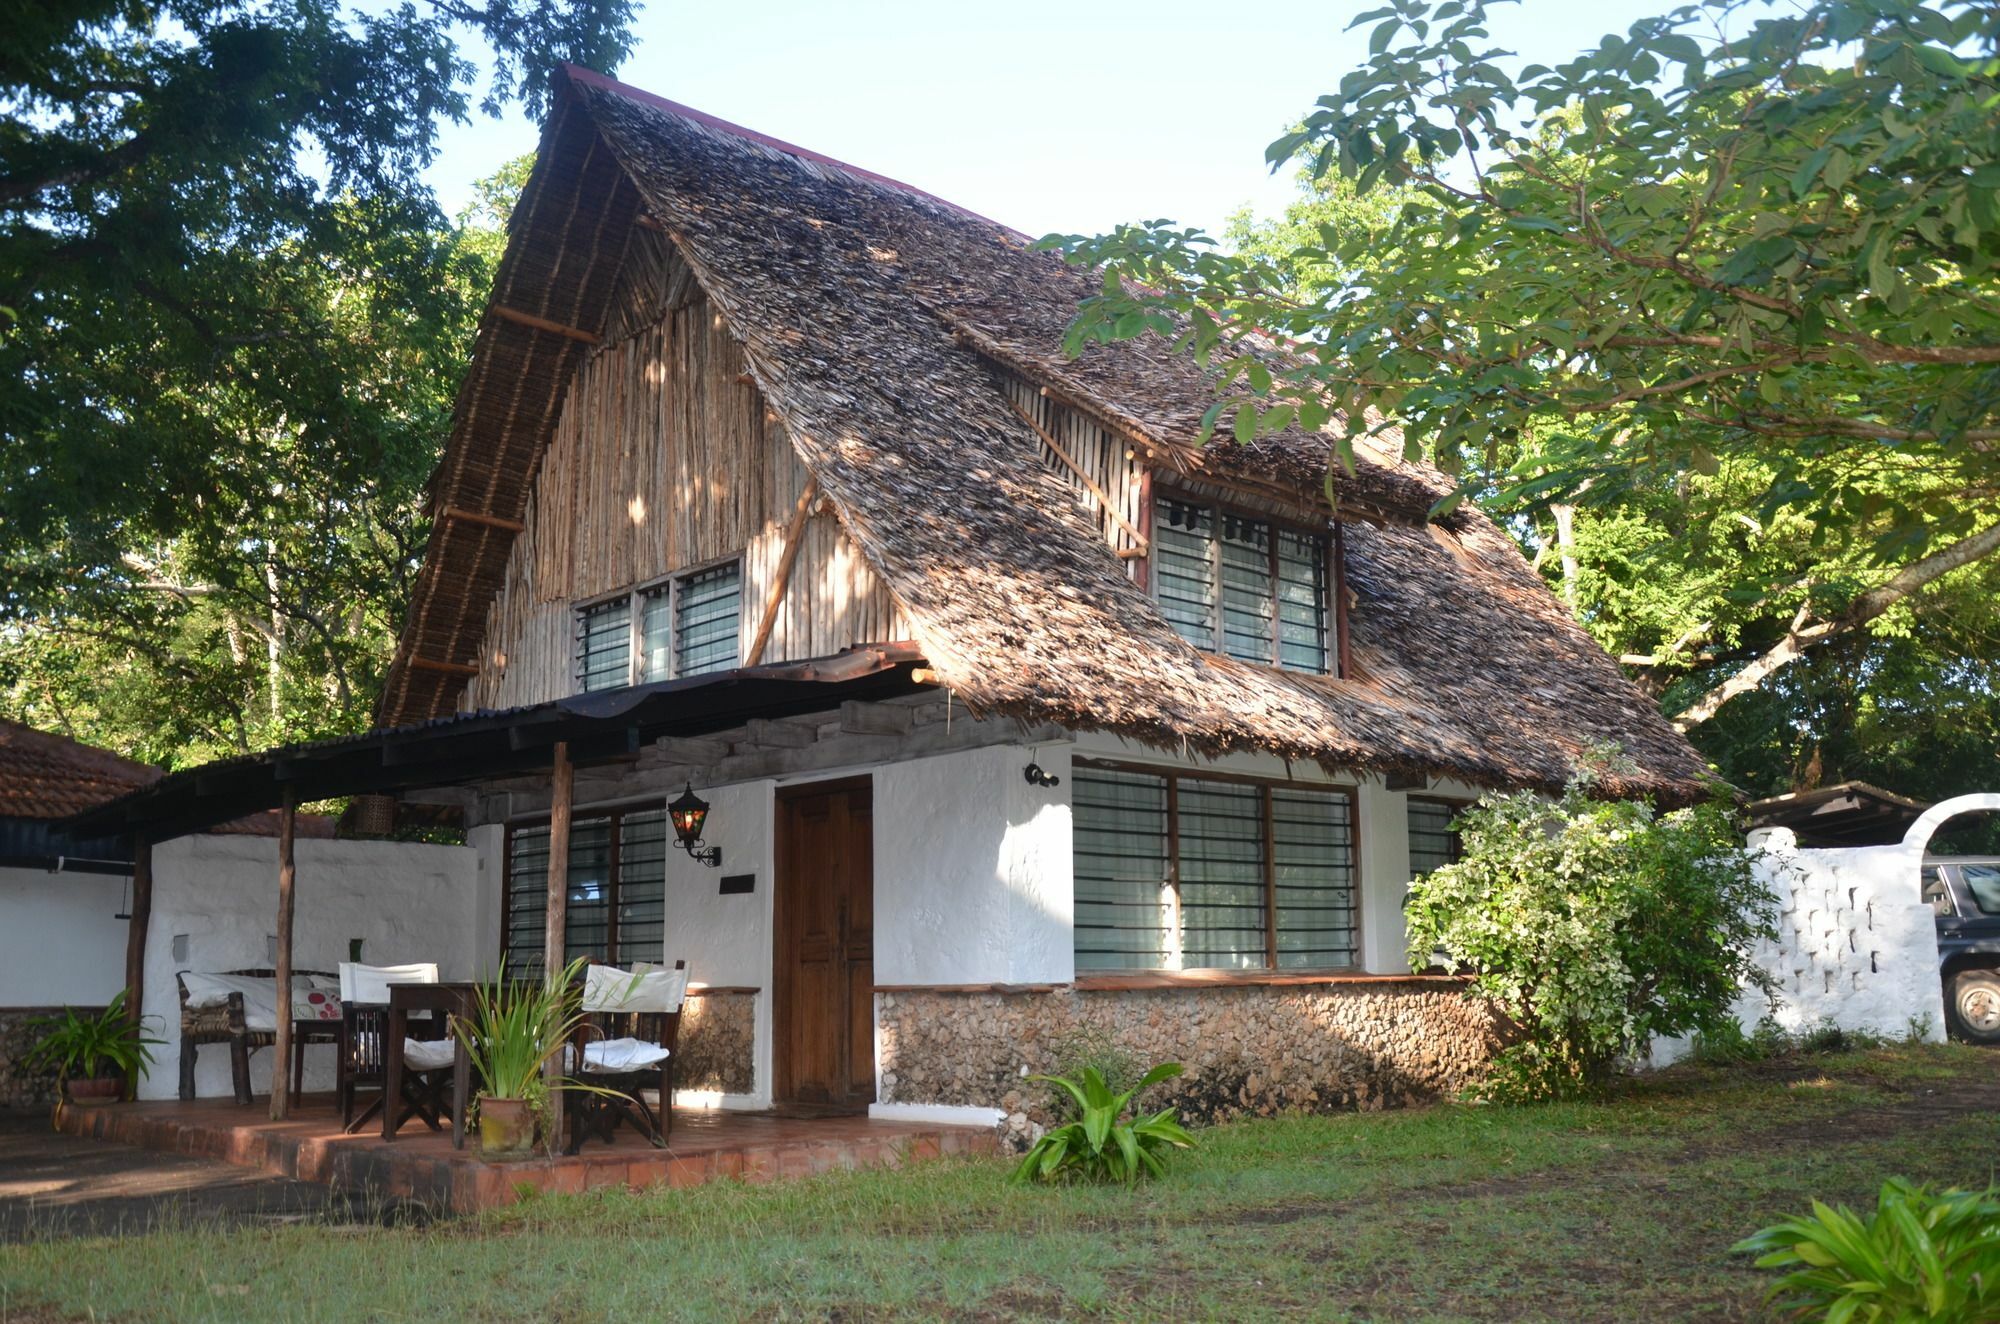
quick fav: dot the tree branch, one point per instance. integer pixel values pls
(1801, 637)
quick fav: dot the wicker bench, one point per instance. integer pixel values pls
(223, 1023)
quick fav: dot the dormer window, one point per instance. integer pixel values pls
(1244, 586)
(688, 625)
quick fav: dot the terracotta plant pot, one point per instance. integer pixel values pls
(506, 1128)
(97, 1090)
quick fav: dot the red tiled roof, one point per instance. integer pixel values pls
(51, 776)
(43, 775)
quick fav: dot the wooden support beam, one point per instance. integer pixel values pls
(555, 934)
(692, 750)
(140, 918)
(648, 221)
(287, 879)
(444, 668)
(875, 719)
(780, 735)
(529, 320)
(1103, 497)
(481, 517)
(795, 529)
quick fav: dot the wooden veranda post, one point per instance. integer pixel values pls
(287, 876)
(139, 918)
(555, 938)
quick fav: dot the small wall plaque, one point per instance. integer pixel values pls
(735, 883)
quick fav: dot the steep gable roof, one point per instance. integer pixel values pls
(872, 316)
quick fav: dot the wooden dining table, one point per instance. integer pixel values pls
(454, 999)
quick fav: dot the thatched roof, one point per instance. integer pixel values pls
(873, 317)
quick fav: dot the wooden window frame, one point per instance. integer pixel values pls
(614, 874)
(1173, 776)
(635, 620)
(1333, 571)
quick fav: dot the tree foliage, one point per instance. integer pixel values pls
(1741, 258)
(231, 321)
(1594, 926)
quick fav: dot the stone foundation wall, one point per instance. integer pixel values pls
(1249, 1050)
(20, 1087)
(717, 1047)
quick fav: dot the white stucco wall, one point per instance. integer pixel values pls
(973, 870)
(726, 940)
(218, 894)
(1856, 947)
(59, 945)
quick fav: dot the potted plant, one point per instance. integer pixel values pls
(94, 1055)
(514, 1032)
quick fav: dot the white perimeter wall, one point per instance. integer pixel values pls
(59, 945)
(219, 894)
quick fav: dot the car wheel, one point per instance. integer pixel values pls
(1975, 1005)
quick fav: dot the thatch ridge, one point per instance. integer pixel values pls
(871, 314)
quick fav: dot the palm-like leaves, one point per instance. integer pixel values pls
(1920, 1256)
(1100, 1145)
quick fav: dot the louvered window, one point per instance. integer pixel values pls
(705, 620)
(1433, 841)
(1243, 586)
(617, 891)
(604, 645)
(687, 626)
(1201, 873)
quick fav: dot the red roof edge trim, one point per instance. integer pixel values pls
(591, 78)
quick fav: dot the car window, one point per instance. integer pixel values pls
(1983, 881)
(1936, 895)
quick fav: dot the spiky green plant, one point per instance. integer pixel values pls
(86, 1046)
(1100, 1145)
(1922, 1255)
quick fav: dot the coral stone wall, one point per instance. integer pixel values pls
(717, 1045)
(1248, 1049)
(20, 1087)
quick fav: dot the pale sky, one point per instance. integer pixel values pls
(1045, 116)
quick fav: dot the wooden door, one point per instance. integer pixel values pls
(823, 960)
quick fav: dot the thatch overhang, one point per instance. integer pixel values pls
(873, 319)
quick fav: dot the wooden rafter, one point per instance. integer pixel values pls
(795, 531)
(1103, 497)
(481, 517)
(519, 318)
(443, 668)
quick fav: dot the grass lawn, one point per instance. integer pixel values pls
(1623, 1210)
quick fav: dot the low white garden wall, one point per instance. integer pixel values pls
(1857, 947)
(215, 902)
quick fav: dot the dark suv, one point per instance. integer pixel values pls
(1965, 893)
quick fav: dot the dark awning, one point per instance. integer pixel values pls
(1848, 814)
(470, 747)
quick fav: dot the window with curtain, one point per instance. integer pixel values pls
(1248, 588)
(1198, 873)
(616, 909)
(685, 626)
(1433, 842)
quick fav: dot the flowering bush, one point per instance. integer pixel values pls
(1592, 925)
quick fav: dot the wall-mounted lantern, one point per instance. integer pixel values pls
(689, 813)
(1036, 777)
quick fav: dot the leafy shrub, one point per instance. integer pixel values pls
(1920, 1256)
(1102, 1145)
(86, 1047)
(1593, 925)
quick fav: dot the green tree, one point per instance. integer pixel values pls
(231, 320)
(1740, 258)
(267, 610)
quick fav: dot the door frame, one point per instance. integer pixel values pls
(781, 974)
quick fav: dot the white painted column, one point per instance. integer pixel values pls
(1385, 876)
